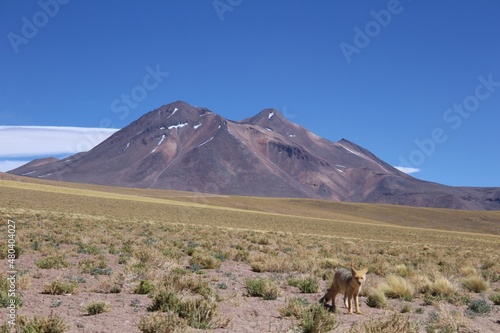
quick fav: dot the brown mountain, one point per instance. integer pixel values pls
(182, 147)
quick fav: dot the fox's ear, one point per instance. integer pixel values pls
(353, 271)
(363, 271)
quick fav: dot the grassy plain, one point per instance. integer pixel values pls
(179, 259)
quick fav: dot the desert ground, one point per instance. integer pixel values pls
(102, 259)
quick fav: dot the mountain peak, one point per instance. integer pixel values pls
(266, 115)
(270, 113)
(179, 104)
(171, 113)
(271, 119)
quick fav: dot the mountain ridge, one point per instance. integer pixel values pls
(182, 147)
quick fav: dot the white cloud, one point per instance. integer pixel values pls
(407, 169)
(29, 141)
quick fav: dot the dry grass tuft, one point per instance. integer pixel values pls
(468, 271)
(442, 287)
(204, 261)
(444, 320)
(265, 263)
(475, 283)
(396, 323)
(404, 270)
(397, 287)
(376, 298)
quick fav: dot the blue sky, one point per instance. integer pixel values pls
(415, 82)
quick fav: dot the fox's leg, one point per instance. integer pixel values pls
(334, 295)
(349, 302)
(324, 299)
(356, 303)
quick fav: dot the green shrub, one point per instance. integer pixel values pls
(168, 322)
(222, 285)
(96, 308)
(317, 319)
(94, 267)
(127, 248)
(16, 250)
(58, 287)
(5, 327)
(5, 300)
(295, 308)
(406, 308)
(112, 249)
(36, 246)
(313, 318)
(165, 300)
(495, 298)
(51, 324)
(199, 312)
(53, 262)
(101, 271)
(88, 249)
(179, 281)
(307, 285)
(267, 289)
(221, 256)
(144, 288)
(420, 310)
(478, 307)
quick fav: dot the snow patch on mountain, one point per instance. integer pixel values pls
(204, 143)
(178, 126)
(159, 143)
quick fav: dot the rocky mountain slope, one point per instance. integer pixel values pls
(182, 147)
